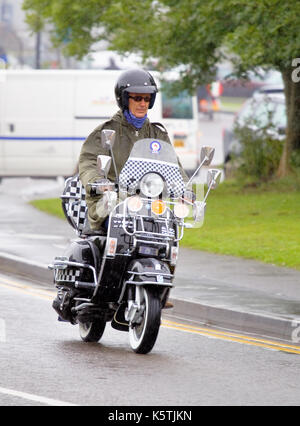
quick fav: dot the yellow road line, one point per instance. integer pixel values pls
(233, 337)
(209, 332)
(229, 333)
(27, 289)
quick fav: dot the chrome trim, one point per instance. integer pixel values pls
(141, 283)
(181, 225)
(82, 299)
(63, 264)
(82, 306)
(151, 273)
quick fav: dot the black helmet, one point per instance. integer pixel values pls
(134, 81)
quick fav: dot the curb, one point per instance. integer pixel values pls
(234, 320)
(23, 268)
(241, 321)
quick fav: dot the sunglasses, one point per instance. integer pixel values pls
(140, 98)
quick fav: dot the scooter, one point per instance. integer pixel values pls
(125, 276)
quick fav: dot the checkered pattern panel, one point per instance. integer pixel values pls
(68, 275)
(74, 202)
(134, 170)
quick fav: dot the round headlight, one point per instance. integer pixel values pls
(181, 210)
(135, 203)
(152, 185)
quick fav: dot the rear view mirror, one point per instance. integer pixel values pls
(108, 138)
(213, 178)
(103, 165)
(206, 155)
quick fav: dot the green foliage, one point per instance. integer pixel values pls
(266, 33)
(295, 159)
(260, 151)
(194, 34)
(74, 26)
(190, 35)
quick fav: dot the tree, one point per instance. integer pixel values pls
(194, 35)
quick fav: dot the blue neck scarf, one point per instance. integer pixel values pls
(135, 121)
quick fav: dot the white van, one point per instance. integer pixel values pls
(46, 115)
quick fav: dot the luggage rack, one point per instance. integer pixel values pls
(166, 237)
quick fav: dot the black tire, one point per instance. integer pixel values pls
(142, 337)
(92, 331)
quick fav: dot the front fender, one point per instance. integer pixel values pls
(147, 271)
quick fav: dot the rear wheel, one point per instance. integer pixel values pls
(143, 333)
(92, 331)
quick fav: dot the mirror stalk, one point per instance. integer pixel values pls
(197, 170)
(213, 180)
(108, 139)
(206, 156)
(208, 191)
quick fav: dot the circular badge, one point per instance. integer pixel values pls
(155, 147)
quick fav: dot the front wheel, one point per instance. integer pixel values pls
(92, 331)
(143, 333)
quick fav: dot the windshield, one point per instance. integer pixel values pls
(152, 156)
(154, 149)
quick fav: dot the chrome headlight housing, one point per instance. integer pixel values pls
(152, 184)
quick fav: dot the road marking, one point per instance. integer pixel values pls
(27, 289)
(233, 337)
(36, 398)
(208, 332)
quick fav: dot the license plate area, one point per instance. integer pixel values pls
(148, 250)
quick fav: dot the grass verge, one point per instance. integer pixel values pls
(50, 206)
(261, 223)
(231, 104)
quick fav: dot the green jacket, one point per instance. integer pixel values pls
(126, 136)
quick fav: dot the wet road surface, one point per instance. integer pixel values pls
(44, 362)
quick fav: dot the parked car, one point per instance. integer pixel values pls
(268, 102)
